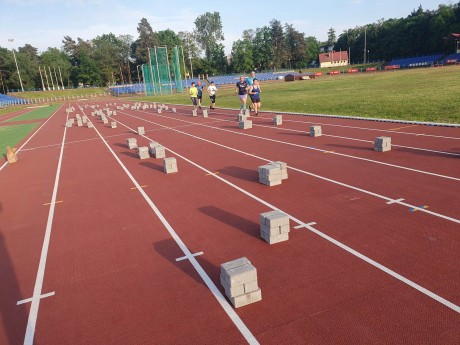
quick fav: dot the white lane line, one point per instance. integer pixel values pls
(182, 258)
(328, 238)
(394, 201)
(44, 123)
(374, 129)
(303, 225)
(314, 149)
(27, 300)
(209, 283)
(36, 297)
(301, 171)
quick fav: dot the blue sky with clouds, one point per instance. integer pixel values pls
(43, 23)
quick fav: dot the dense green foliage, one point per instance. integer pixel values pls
(109, 59)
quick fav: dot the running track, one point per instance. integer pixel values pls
(90, 234)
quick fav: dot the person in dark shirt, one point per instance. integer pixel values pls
(254, 93)
(242, 92)
(200, 93)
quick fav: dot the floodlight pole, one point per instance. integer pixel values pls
(60, 76)
(51, 77)
(151, 75)
(365, 43)
(41, 77)
(185, 70)
(46, 76)
(55, 76)
(16, 62)
(138, 76)
(169, 70)
(158, 71)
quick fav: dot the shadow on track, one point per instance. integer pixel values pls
(244, 225)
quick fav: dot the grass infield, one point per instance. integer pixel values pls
(423, 94)
(39, 113)
(12, 135)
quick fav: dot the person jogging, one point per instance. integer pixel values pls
(250, 81)
(200, 94)
(193, 91)
(254, 93)
(212, 89)
(242, 92)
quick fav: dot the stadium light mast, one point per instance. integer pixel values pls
(16, 62)
(365, 43)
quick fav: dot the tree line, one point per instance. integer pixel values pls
(108, 59)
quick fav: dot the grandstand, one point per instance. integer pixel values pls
(6, 100)
(127, 89)
(418, 61)
(452, 58)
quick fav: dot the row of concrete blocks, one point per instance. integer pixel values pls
(239, 277)
(70, 110)
(239, 280)
(273, 173)
(195, 112)
(382, 144)
(155, 149)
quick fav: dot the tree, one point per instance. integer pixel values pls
(147, 39)
(312, 50)
(263, 49)
(208, 33)
(278, 44)
(331, 37)
(242, 57)
(108, 53)
(56, 60)
(296, 47)
(191, 50)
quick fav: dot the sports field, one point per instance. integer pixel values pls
(100, 247)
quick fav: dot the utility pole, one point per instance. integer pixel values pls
(16, 62)
(365, 43)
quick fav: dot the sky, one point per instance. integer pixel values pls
(44, 23)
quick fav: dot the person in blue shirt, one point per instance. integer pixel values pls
(200, 93)
(250, 81)
(254, 93)
(242, 92)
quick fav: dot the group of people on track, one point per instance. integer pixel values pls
(244, 87)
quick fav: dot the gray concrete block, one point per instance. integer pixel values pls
(316, 131)
(205, 113)
(275, 238)
(278, 120)
(140, 130)
(194, 113)
(239, 275)
(113, 124)
(247, 124)
(159, 151)
(234, 263)
(242, 300)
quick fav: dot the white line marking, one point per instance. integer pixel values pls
(185, 257)
(303, 225)
(33, 313)
(27, 300)
(328, 238)
(298, 170)
(44, 123)
(394, 201)
(314, 149)
(210, 284)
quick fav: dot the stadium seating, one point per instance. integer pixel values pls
(451, 58)
(6, 100)
(418, 61)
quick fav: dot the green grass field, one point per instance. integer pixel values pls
(12, 135)
(39, 113)
(424, 94)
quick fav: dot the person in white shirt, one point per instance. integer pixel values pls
(212, 89)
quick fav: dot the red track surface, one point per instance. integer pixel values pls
(112, 263)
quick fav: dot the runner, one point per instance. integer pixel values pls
(212, 89)
(200, 93)
(250, 81)
(193, 94)
(254, 93)
(242, 92)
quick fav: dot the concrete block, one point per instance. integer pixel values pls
(140, 130)
(245, 299)
(173, 110)
(143, 152)
(68, 124)
(158, 151)
(194, 113)
(205, 113)
(315, 131)
(170, 165)
(113, 124)
(234, 263)
(247, 124)
(239, 275)
(79, 123)
(275, 238)
(274, 219)
(132, 143)
(278, 120)
(90, 124)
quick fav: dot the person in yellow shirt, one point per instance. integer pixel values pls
(193, 95)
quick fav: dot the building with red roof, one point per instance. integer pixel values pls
(333, 59)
